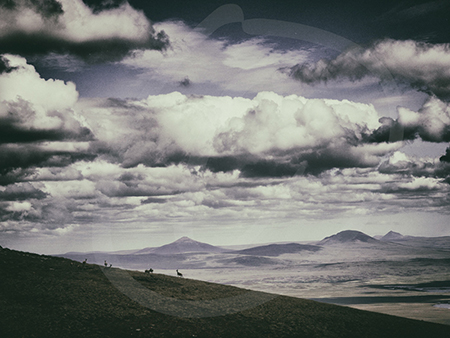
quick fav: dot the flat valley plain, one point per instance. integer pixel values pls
(405, 276)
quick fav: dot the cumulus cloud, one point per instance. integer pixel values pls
(70, 161)
(423, 66)
(431, 123)
(104, 33)
(33, 111)
(49, 214)
(269, 135)
(401, 164)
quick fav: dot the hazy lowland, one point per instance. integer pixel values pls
(394, 274)
(45, 296)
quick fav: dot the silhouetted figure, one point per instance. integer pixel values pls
(149, 270)
(179, 274)
(105, 264)
(84, 263)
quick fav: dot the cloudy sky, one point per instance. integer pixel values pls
(127, 124)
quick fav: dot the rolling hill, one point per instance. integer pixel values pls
(45, 296)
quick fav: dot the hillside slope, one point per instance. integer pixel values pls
(43, 296)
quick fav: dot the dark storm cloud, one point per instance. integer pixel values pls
(224, 164)
(14, 175)
(15, 158)
(21, 192)
(58, 34)
(12, 133)
(446, 157)
(101, 5)
(268, 169)
(94, 51)
(313, 162)
(423, 66)
(154, 200)
(47, 8)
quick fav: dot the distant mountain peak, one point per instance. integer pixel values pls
(391, 236)
(348, 236)
(184, 239)
(186, 244)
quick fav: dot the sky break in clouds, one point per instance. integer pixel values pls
(219, 137)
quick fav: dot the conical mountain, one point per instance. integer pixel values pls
(182, 245)
(348, 236)
(392, 236)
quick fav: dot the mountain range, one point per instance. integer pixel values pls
(186, 253)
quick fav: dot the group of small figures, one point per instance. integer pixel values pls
(179, 274)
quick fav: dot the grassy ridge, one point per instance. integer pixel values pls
(43, 296)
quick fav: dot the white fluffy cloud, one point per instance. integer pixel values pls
(36, 103)
(72, 20)
(25, 83)
(269, 135)
(71, 27)
(212, 126)
(38, 127)
(431, 122)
